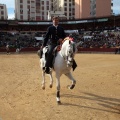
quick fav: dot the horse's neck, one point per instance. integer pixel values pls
(63, 51)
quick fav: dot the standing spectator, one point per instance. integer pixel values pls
(8, 48)
(17, 48)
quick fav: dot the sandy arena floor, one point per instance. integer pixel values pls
(95, 97)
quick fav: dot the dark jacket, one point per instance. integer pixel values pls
(54, 35)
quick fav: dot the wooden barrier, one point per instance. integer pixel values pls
(96, 50)
(80, 50)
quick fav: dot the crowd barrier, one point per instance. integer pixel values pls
(29, 49)
(96, 49)
(80, 50)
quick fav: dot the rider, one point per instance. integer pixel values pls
(56, 34)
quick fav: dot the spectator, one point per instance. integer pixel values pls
(8, 48)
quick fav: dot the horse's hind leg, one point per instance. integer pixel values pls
(58, 89)
(43, 81)
(51, 80)
(69, 75)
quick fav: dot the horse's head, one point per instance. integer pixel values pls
(68, 51)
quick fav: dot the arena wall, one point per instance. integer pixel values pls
(80, 50)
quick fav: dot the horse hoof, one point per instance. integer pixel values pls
(50, 85)
(43, 87)
(59, 102)
(71, 87)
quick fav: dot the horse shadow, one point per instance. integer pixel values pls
(107, 104)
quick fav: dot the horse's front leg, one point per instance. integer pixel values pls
(69, 75)
(58, 89)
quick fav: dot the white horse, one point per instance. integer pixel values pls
(62, 65)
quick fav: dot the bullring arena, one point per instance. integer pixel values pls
(96, 95)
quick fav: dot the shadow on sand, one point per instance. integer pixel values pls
(109, 104)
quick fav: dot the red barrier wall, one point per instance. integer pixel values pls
(96, 49)
(22, 50)
(79, 49)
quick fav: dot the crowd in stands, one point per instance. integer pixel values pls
(19, 40)
(86, 39)
(95, 39)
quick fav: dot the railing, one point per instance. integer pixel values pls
(80, 50)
